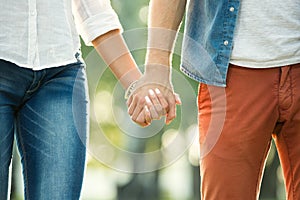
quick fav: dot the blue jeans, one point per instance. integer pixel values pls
(46, 111)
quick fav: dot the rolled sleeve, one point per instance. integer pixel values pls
(94, 18)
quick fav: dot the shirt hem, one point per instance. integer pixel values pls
(264, 65)
(24, 65)
(189, 74)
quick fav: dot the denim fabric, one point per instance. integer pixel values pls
(207, 42)
(46, 111)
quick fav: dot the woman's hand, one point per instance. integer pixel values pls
(153, 97)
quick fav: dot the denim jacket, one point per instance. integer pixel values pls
(208, 38)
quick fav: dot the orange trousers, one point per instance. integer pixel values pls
(236, 126)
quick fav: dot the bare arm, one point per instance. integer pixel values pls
(115, 53)
(165, 17)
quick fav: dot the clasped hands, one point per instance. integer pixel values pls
(152, 97)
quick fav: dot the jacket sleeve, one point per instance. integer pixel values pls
(94, 18)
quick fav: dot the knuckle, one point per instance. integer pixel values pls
(165, 106)
(139, 121)
(160, 95)
(142, 101)
(154, 115)
(172, 103)
(171, 115)
(137, 98)
(133, 118)
(130, 111)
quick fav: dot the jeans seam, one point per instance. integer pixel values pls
(36, 81)
(63, 69)
(25, 160)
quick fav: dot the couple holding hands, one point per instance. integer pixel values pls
(246, 55)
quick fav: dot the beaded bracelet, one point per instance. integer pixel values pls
(130, 89)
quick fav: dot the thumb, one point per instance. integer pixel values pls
(177, 99)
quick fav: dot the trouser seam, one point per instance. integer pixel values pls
(262, 166)
(283, 112)
(290, 166)
(25, 174)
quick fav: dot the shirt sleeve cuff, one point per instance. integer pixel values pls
(97, 25)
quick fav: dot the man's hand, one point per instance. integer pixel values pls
(164, 21)
(153, 97)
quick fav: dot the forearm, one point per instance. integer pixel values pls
(164, 20)
(165, 17)
(113, 49)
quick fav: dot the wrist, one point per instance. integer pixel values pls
(157, 71)
(156, 56)
(129, 76)
(130, 89)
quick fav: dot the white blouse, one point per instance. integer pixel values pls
(41, 34)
